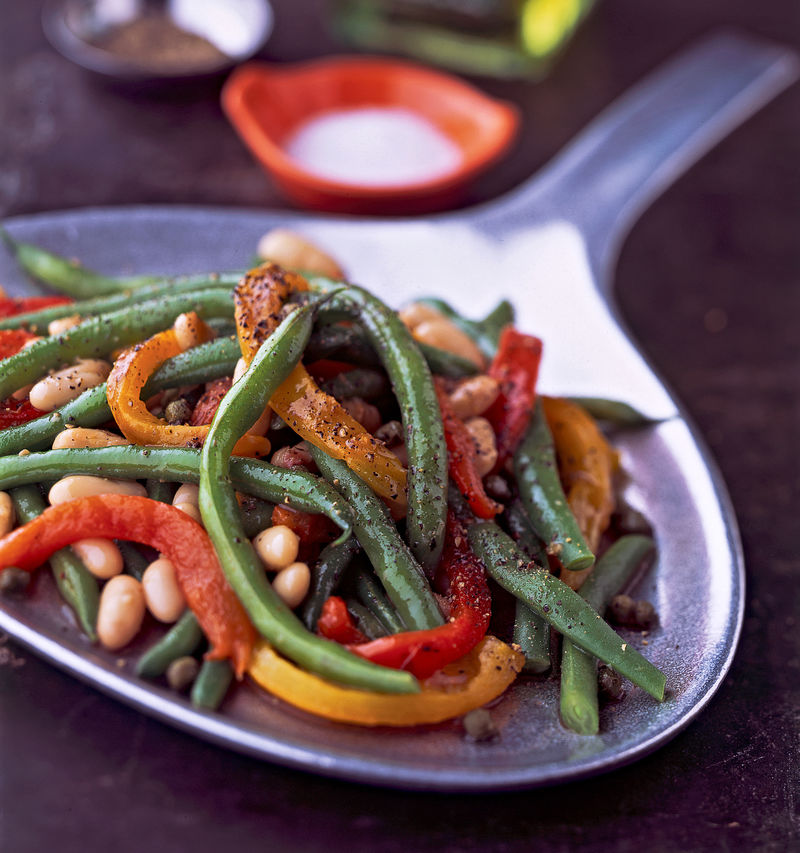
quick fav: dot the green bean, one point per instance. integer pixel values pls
(181, 639)
(400, 574)
(366, 621)
(102, 335)
(37, 321)
(211, 684)
(448, 364)
(563, 608)
(486, 332)
(344, 342)
(201, 363)
(372, 596)
(422, 420)
(255, 515)
(361, 382)
(74, 581)
(614, 411)
(66, 275)
(135, 562)
(325, 576)
(531, 632)
(579, 707)
(239, 409)
(298, 489)
(160, 490)
(539, 486)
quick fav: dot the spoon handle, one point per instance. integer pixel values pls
(650, 136)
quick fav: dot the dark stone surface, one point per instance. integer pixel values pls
(709, 281)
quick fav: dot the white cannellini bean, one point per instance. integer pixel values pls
(418, 312)
(294, 252)
(65, 385)
(292, 584)
(162, 594)
(483, 435)
(57, 327)
(190, 509)
(240, 370)
(190, 330)
(188, 493)
(82, 485)
(84, 437)
(277, 547)
(121, 611)
(446, 336)
(8, 515)
(100, 556)
(473, 396)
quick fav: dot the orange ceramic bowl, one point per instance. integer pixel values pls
(267, 104)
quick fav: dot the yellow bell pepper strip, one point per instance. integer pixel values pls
(314, 415)
(477, 678)
(126, 381)
(586, 464)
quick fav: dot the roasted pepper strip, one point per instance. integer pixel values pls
(481, 676)
(14, 412)
(161, 526)
(12, 341)
(10, 306)
(424, 652)
(516, 368)
(586, 463)
(462, 458)
(309, 411)
(335, 623)
(128, 377)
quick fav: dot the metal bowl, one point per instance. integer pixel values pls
(215, 35)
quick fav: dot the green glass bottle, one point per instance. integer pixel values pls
(501, 38)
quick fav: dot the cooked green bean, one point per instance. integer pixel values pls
(614, 411)
(361, 382)
(579, 708)
(100, 336)
(240, 408)
(211, 684)
(546, 504)
(366, 621)
(401, 576)
(372, 596)
(66, 275)
(37, 321)
(422, 420)
(344, 342)
(255, 515)
(444, 363)
(531, 632)
(486, 332)
(160, 490)
(563, 608)
(325, 576)
(298, 489)
(135, 562)
(76, 584)
(199, 364)
(181, 639)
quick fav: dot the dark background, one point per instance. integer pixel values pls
(708, 281)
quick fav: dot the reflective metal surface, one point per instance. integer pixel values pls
(554, 267)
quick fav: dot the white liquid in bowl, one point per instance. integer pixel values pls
(373, 146)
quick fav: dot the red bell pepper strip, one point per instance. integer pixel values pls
(161, 526)
(424, 652)
(15, 412)
(12, 341)
(335, 623)
(10, 306)
(516, 369)
(328, 368)
(310, 527)
(206, 407)
(461, 460)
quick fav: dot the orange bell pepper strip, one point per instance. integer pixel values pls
(314, 415)
(479, 677)
(125, 383)
(586, 464)
(161, 526)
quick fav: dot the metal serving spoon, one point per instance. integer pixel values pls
(550, 247)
